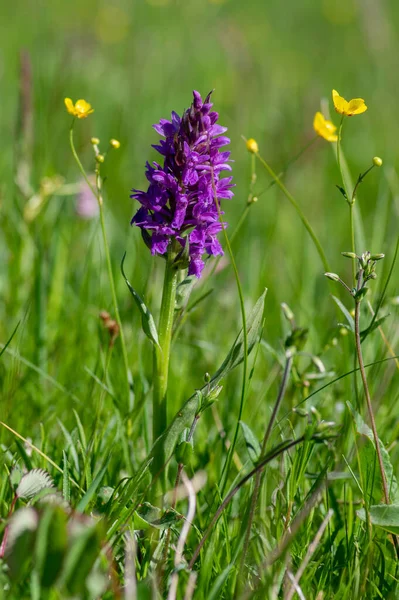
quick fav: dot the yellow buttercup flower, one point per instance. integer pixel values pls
(81, 109)
(356, 106)
(324, 128)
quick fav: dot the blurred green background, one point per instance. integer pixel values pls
(271, 65)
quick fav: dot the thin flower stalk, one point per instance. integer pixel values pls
(367, 392)
(349, 198)
(385, 488)
(97, 193)
(350, 108)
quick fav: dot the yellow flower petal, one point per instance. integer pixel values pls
(80, 109)
(340, 104)
(83, 109)
(69, 106)
(356, 106)
(324, 128)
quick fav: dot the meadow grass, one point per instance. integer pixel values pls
(277, 493)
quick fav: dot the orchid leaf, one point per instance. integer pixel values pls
(147, 320)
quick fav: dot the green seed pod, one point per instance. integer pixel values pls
(377, 256)
(349, 254)
(332, 276)
(301, 412)
(323, 425)
(289, 315)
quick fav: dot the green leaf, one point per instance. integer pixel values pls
(346, 313)
(93, 487)
(184, 289)
(147, 320)
(385, 516)
(51, 544)
(8, 342)
(66, 486)
(71, 446)
(190, 409)
(81, 430)
(32, 483)
(369, 462)
(217, 587)
(81, 556)
(236, 354)
(373, 325)
(251, 442)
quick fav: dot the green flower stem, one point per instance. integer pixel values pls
(161, 360)
(385, 488)
(298, 209)
(97, 194)
(352, 234)
(369, 405)
(350, 198)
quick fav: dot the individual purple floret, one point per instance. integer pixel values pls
(179, 203)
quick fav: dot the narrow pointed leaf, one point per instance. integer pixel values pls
(346, 313)
(147, 320)
(369, 461)
(251, 442)
(93, 487)
(374, 325)
(186, 414)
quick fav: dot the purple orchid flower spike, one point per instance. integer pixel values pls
(180, 202)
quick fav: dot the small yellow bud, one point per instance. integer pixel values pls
(377, 161)
(115, 144)
(95, 141)
(252, 146)
(100, 158)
